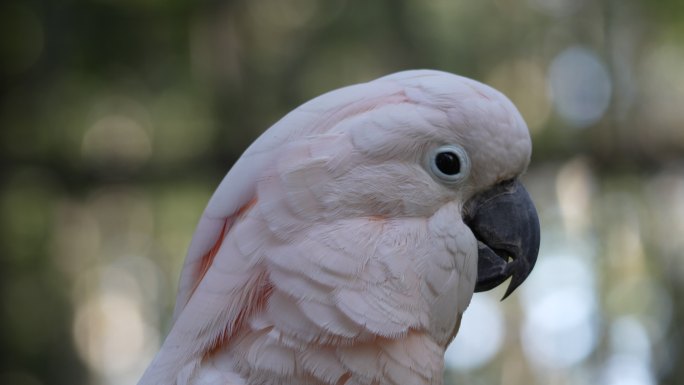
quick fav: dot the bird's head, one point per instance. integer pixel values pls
(416, 141)
(481, 147)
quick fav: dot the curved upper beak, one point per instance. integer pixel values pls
(505, 223)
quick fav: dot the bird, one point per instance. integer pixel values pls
(345, 244)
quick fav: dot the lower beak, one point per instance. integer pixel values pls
(505, 223)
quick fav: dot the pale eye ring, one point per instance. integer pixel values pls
(449, 163)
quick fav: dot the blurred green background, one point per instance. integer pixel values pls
(119, 118)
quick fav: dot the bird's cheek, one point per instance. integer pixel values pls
(450, 271)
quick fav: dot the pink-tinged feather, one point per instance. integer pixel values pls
(207, 232)
(266, 355)
(284, 314)
(328, 317)
(207, 259)
(361, 360)
(300, 286)
(323, 364)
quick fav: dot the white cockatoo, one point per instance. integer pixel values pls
(347, 241)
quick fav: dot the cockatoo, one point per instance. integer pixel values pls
(346, 242)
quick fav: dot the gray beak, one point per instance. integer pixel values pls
(505, 223)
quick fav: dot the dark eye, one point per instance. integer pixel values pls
(449, 163)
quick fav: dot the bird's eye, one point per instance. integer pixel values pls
(449, 163)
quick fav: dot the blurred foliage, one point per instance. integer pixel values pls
(118, 118)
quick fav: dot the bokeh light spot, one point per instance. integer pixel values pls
(110, 329)
(574, 186)
(109, 332)
(628, 336)
(560, 327)
(646, 300)
(558, 332)
(480, 336)
(627, 370)
(580, 86)
(117, 140)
